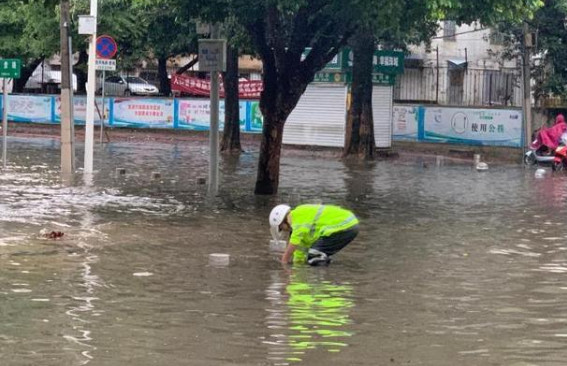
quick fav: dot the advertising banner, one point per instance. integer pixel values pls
(80, 110)
(405, 121)
(195, 86)
(142, 112)
(497, 127)
(196, 114)
(27, 108)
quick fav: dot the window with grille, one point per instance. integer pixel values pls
(449, 30)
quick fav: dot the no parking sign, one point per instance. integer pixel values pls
(106, 47)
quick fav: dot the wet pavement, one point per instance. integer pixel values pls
(452, 266)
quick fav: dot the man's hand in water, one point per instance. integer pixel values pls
(288, 254)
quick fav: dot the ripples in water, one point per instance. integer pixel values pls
(452, 266)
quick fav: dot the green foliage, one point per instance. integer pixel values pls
(550, 26)
(28, 29)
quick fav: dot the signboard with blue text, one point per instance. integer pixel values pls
(468, 126)
(27, 108)
(474, 126)
(196, 114)
(405, 122)
(142, 112)
(80, 110)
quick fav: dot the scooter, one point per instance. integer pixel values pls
(560, 159)
(540, 156)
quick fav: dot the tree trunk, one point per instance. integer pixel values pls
(359, 134)
(281, 93)
(286, 73)
(80, 70)
(231, 134)
(164, 84)
(26, 72)
(267, 180)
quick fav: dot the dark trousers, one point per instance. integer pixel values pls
(332, 244)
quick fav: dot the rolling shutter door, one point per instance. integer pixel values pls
(382, 100)
(319, 117)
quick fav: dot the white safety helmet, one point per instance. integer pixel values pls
(277, 216)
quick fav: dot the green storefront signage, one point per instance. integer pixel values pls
(389, 62)
(334, 65)
(338, 77)
(383, 79)
(377, 79)
(10, 68)
(330, 77)
(385, 62)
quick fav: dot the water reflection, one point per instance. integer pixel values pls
(307, 313)
(83, 306)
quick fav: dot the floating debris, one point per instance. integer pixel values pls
(540, 173)
(219, 259)
(482, 166)
(54, 235)
(142, 274)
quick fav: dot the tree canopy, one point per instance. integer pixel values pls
(28, 29)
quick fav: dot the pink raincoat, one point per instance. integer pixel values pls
(550, 136)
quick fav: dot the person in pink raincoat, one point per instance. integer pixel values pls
(551, 136)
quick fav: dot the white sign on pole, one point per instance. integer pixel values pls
(212, 55)
(87, 24)
(105, 64)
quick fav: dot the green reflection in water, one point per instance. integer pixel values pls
(318, 313)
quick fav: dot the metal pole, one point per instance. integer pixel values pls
(103, 111)
(214, 128)
(72, 98)
(89, 127)
(527, 90)
(437, 84)
(4, 121)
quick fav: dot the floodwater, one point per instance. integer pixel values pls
(452, 266)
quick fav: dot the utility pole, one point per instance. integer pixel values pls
(67, 135)
(5, 121)
(526, 71)
(91, 85)
(214, 127)
(437, 75)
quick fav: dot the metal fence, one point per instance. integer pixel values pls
(459, 86)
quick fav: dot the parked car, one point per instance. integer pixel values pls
(127, 85)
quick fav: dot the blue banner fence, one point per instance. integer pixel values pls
(456, 125)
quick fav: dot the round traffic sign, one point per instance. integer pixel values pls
(106, 47)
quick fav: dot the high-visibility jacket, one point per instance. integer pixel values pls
(311, 222)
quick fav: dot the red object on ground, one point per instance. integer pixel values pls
(200, 87)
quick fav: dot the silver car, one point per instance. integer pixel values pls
(128, 85)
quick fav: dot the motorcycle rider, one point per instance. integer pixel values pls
(550, 137)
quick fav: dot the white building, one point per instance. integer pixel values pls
(463, 66)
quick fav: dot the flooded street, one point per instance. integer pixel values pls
(451, 267)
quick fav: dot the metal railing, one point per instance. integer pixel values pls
(459, 86)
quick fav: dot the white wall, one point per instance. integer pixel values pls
(471, 43)
(474, 38)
